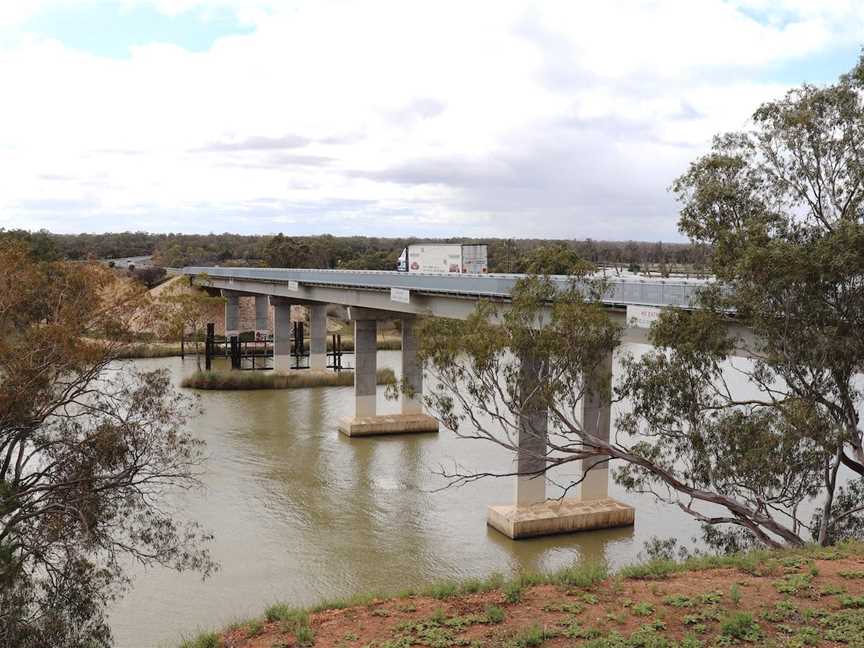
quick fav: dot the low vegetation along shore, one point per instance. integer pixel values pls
(808, 597)
(172, 349)
(237, 380)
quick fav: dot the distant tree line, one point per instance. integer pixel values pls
(351, 252)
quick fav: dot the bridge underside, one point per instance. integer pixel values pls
(530, 514)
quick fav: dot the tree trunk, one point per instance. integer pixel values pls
(827, 510)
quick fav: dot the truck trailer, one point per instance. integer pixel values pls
(445, 257)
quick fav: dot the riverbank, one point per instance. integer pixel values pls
(807, 597)
(239, 380)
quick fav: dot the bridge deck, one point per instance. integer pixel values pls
(622, 291)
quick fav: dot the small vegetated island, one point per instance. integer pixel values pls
(239, 380)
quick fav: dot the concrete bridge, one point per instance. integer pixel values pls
(372, 296)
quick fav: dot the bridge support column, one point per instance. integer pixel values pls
(532, 439)
(262, 321)
(412, 370)
(318, 334)
(281, 335)
(531, 514)
(232, 313)
(597, 421)
(365, 421)
(365, 368)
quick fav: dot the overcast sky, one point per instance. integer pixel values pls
(564, 119)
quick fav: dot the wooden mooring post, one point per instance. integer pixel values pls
(208, 346)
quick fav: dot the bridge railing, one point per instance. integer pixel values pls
(622, 290)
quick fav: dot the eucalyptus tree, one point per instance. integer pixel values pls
(781, 206)
(88, 452)
(543, 352)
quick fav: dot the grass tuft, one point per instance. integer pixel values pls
(583, 575)
(204, 640)
(494, 615)
(658, 569)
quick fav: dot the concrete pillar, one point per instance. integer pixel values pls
(365, 367)
(262, 324)
(532, 436)
(318, 336)
(412, 370)
(282, 336)
(531, 516)
(596, 420)
(232, 314)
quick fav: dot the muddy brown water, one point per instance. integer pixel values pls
(301, 513)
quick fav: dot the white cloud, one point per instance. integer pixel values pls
(550, 118)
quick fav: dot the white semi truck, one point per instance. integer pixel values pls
(445, 257)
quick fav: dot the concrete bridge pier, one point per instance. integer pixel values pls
(282, 331)
(366, 421)
(318, 337)
(262, 319)
(597, 421)
(532, 514)
(412, 369)
(232, 313)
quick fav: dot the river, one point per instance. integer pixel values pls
(301, 513)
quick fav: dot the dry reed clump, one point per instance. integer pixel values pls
(230, 380)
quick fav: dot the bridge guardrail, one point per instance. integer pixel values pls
(642, 292)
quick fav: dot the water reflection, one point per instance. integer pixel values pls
(301, 513)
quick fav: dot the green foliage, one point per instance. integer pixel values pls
(788, 258)
(479, 371)
(795, 584)
(741, 626)
(735, 594)
(570, 607)
(556, 260)
(583, 575)
(443, 590)
(513, 591)
(531, 637)
(67, 418)
(851, 575)
(304, 636)
(204, 640)
(254, 628)
(658, 569)
(494, 614)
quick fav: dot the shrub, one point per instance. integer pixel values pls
(287, 614)
(530, 637)
(304, 636)
(741, 626)
(735, 594)
(513, 591)
(494, 614)
(204, 640)
(443, 590)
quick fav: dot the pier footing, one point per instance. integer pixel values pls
(559, 516)
(387, 424)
